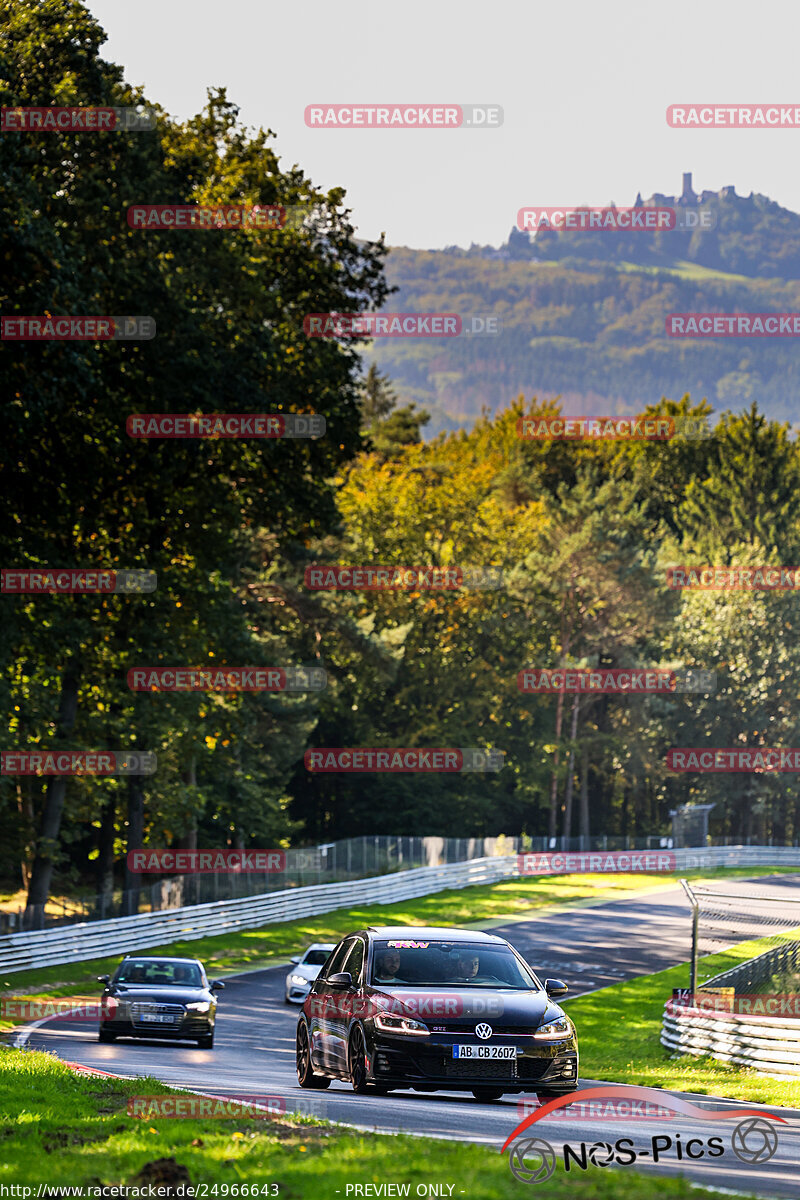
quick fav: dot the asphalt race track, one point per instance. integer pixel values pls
(589, 948)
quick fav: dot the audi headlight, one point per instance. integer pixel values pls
(554, 1029)
(400, 1025)
(299, 980)
(201, 1006)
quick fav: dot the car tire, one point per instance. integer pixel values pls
(357, 1062)
(487, 1094)
(305, 1071)
(207, 1042)
(105, 1035)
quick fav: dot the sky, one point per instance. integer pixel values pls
(584, 89)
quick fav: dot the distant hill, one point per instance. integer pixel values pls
(583, 313)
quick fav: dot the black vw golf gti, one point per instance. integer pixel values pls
(432, 1009)
(159, 998)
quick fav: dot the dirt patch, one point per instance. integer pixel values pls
(61, 1138)
(165, 1173)
(283, 1131)
(109, 1102)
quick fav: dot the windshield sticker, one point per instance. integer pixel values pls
(409, 945)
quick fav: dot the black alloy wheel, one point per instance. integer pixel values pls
(305, 1071)
(357, 1062)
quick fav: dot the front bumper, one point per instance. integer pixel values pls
(428, 1064)
(296, 992)
(190, 1026)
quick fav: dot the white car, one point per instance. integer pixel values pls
(306, 969)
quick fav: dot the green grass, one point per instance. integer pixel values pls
(497, 903)
(619, 1029)
(684, 270)
(65, 1130)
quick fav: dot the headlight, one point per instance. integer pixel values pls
(400, 1025)
(298, 979)
(554, 1029)
(110, 1004)
(201, 1006)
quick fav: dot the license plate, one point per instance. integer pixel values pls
(159, 1018)
(470, 1051)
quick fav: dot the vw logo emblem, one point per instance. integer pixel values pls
(544, 1160)
(483, 1031)
(754, 1141)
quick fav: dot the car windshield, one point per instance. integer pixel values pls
(456, 964)
(155, 973)
(315, 958)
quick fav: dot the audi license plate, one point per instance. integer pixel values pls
(470, 1051)
(161, 1018)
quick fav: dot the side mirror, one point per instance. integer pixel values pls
(340, 979)
(216, 986)
(295, 958)
(104, 979)
(555, 987)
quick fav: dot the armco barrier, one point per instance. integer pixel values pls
(770, 1045)
(98, 939)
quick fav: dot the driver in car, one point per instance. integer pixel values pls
(386, 967)
(467, 967)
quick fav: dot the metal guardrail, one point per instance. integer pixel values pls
(99, 939)
(737, 856)
(769, 1045)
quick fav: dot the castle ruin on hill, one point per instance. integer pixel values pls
(688, 197)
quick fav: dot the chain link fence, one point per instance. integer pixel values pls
(721, 919)
(331, 862)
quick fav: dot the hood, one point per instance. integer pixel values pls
(306, 970)
(456, 1006)
(161, 994)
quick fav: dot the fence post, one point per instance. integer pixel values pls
(695, 917)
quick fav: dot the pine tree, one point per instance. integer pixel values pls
(750, 491)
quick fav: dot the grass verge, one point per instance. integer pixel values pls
(66, 1130)
(619, 1029)
(495, 903)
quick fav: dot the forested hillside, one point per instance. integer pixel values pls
(582, 316)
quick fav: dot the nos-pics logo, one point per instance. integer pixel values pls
(532, 1159)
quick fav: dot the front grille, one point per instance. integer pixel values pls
(142, 1009)
(467, 1030)
(480, 1068)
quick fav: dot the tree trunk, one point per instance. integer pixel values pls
(50, 825)
(584, 817)
(570, 768)
(105, 847)
(28, 824)
(559, 720)
(130, 901)
(188, 840)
